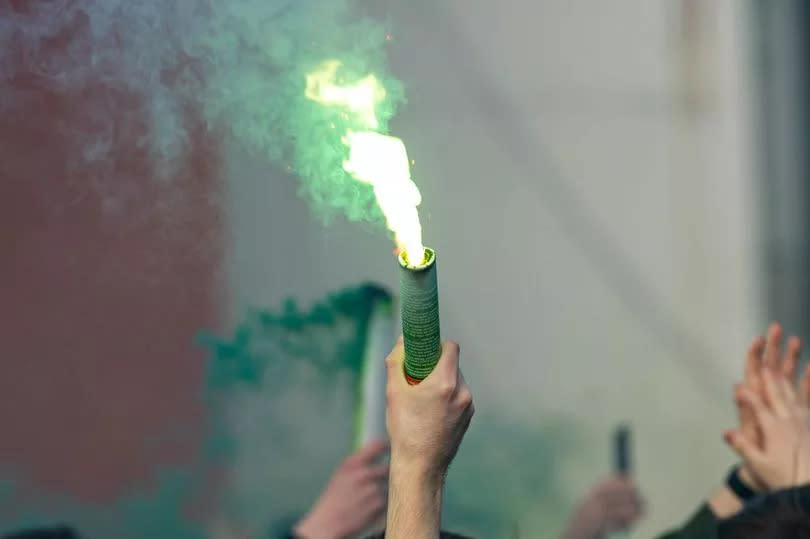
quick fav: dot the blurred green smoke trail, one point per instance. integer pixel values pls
(240, 63)
(280, 392)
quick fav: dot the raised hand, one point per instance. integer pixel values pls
(611, 505)
(353, 500)
(426, 423)
(780, 457)
(766, 353)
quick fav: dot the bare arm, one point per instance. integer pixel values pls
(414, 504)
(426, 423)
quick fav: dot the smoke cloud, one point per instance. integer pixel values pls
(239, 64)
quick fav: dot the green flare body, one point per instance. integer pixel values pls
(419, 292)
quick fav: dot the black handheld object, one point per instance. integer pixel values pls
(622, 457)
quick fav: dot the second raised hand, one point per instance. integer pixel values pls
(783, 458)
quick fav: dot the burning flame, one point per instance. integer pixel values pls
(376, 159)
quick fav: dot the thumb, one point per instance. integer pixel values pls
(744, 447)
(394, 364)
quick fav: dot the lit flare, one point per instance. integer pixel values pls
(374, 158)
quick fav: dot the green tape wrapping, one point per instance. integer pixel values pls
(419, 293)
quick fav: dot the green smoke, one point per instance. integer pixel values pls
(330, 336)
(257, 55)
(241, 63)
(293, 371)
(281, 390)
(285, 383)
(158, 513)
(505, 472)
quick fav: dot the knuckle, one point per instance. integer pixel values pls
(465, 398)
(446, 388)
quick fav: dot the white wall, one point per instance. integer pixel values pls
(516, 109)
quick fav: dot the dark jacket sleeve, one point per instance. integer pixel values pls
(702, 525)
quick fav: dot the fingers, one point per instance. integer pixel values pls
(445, 376)
(620, 500)
(753, 363)
(618, 487)
(378, 472)
(804, 387)
(748, 422)
(792, 355)
(464, 399)
(788, 391)
(773, 347)
(464, 393)
(375, 474)
(775, 393)
(447, 366)
(743, 446)
(619, 520)
(746, 397)
(370, 452)
(373, 500)
(621, 514)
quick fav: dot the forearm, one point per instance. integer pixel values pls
(414, 503)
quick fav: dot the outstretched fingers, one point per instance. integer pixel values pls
(791, 361)
(773, 347)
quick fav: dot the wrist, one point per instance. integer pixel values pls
(420, 470)
(416, 476)
(312, 527)
(740, 486)
(414, 500)
(748, 479)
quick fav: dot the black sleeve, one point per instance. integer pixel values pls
(702, 525)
